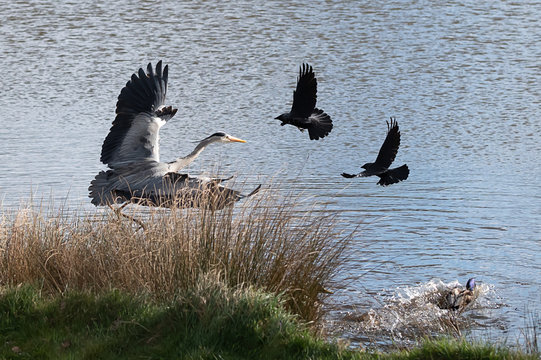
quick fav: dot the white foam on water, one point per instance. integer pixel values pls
(413, 312)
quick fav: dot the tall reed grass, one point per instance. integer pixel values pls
(275, 243)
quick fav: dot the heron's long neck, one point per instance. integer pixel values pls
(182, 162)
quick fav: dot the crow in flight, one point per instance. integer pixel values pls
(385, 158)
(304, 113)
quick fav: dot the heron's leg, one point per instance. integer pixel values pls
(137, 221)
(119, 213)
(118, 210)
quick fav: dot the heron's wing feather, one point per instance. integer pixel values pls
(140, 113)
(388, 150)
(119, 184)
(305, 96)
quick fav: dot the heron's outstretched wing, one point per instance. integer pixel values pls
(388, 150)
(305, 96)
(107, 186)
(140, 113)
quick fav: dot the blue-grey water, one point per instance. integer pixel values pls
(463, 79)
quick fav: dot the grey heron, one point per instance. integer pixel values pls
(304, 114)
(386, 156)
(131, 151)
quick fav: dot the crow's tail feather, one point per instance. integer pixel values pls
(320, 125)
(393, 176)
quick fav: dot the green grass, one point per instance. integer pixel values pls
(460, 350)
(211, 321)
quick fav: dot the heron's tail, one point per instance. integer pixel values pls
(255, 191)
(393, 176)
(100, 189)
(320, 126)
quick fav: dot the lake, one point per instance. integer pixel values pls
(462, 78)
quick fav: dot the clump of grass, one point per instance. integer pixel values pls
(530, 331)
(210, 320)
(276, 244)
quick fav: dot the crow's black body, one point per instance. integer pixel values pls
(304, 113)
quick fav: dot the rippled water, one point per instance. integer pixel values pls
(462, 78)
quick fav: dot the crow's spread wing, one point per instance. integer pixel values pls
(304, 97)
(388, 150)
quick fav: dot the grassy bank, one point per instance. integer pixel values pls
(210, 321)
(242, 283)
(274, 244)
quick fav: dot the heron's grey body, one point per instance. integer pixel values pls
(151, 184)
(131, 151)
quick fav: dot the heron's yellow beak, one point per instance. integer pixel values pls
(234, 139)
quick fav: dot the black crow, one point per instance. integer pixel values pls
(304, 113)
(385, 158)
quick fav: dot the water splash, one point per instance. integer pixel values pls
(415, 311)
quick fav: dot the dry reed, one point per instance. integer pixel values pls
(277, 244)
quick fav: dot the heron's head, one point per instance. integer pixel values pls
(222, 138)
(470, 285)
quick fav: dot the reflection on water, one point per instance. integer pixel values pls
(462, 79)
